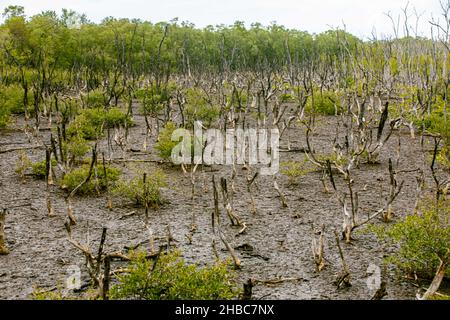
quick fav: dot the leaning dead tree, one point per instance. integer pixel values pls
(98, 264)
(217, 229)
(234, 219)
(444, 263)
(3, 248)
(351, 219)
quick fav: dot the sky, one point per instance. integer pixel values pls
(360, 17)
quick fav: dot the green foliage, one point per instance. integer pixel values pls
(22, 164)
(325, 102)
(435, 122)
(165, 143)
(95, 99)
(146, 193)
(12, 97)
(41, 294)
(155, 98)
(89, 124)
(38, 169)
(115, 117)
(97, 182)
(423, 239)
(4, 117)
(293, 170)
(76, 147)
(11, 102)
(333, 158)
(200, 108)
(287, 98)
(173, 279)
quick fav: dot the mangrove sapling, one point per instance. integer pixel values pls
(144, 189)
(3, 247)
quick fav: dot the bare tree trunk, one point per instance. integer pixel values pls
(436, 283)
(3, 249)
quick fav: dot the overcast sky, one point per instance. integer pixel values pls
(360, 16)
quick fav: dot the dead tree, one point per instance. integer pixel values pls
(351, 220)
(344, 278)
(98, 264)
(387, 215)
(217, 230)
(49, 181)
(317, 247)
(438, 277)
(3, 248)
(442, 187)
(234, 219)
(247, 291)
(250, 182)
(381, 291)
(280, 194)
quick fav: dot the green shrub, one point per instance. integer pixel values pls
(38, 169)
(114, 117)
(433, 122)
(325, 102)
(89, 124)
(294, 170)
(86, 125)
(76, 147)
(173, 279)
(154, 98)
(165, 143)
(423, 239)
(95, 99)
(11, 102)
(199, 108)
(11, 98)
(148, 193)
(4, 117)
(97, 182)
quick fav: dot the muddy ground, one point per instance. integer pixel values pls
(280, 238)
